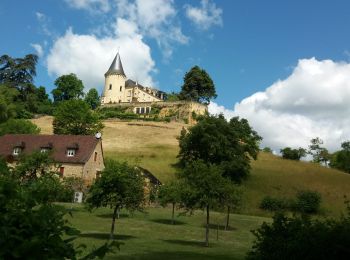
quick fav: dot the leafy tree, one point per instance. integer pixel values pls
(18, 126)
(319, 153)
(300, 237)
(230, 145)
(267, 150)
(92, 98)
(231, 199)
(205, 188)
(293, 154)
(341, 159)
(172, 97)
(17, 71)
(120, 186)
(171, 193)
(198, 86)
(75, 117)
(68, 87)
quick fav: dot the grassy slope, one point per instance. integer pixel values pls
(150, 236)
(154, 146)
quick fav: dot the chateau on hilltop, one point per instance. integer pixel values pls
(119, 89)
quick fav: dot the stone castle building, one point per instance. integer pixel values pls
(119, 89)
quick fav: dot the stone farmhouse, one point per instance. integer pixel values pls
(119, 89)
(74, 155)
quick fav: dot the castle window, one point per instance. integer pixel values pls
(137, 110)
(110, 86)
(129, 93)
(17, 150)
(95, 157)
(70, 152)
(147, 110)
(142, 110)
(121, 88)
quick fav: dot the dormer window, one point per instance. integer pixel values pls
(44, 150)
(70, 152)
(17, 150)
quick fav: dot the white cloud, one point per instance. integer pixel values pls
(204, 16)
(89, 57)
(155, 19)
(90, 5)
(312, 101)
(44, 23)
(38, 48)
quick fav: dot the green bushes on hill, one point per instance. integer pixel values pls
(306, 202)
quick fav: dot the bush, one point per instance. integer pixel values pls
(300, 237)
(308, 202)
(18, 126)
(273, 204)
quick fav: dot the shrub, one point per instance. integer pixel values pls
(308, 202)
(273, 204)
(301, 237)
(18, 126)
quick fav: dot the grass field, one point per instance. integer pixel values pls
(154, 146)
(151, 236)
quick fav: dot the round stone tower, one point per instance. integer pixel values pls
(114, 90)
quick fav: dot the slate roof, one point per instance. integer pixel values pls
(59, 144)
(116, 67)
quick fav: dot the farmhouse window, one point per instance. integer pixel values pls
(70, 152)
(17, 150)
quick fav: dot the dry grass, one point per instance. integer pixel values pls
(154, 146)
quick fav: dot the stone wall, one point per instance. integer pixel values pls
(177, 110)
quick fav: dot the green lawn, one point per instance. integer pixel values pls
(150, 236)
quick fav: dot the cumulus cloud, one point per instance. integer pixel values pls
(312, 101)
(38, 48)
(205, 16)
(89, 57)
(155, 19)
(90, 5)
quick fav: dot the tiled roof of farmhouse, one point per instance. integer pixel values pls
(84, 145)
(116, 67)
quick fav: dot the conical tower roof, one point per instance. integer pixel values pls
(116, 67)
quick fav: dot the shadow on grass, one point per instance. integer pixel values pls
(221, 227)
(110, 215)
(175, 255)
(185, 242)
(105, 236)
(167, 221)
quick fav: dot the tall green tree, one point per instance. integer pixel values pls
(17, 71)
(319, 154)
(230, 145)
(205, 188)
(171, 193)
(92, 98)
(341, 159)
(68, 87)
(198, 86)
(75, 117)
(120, 186)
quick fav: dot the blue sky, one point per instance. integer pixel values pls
(246, 46)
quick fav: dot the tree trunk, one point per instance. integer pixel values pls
(207, 229)
(172, 216)
(111, 236)
(227, 218)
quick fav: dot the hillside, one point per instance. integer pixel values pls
(154, 146)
